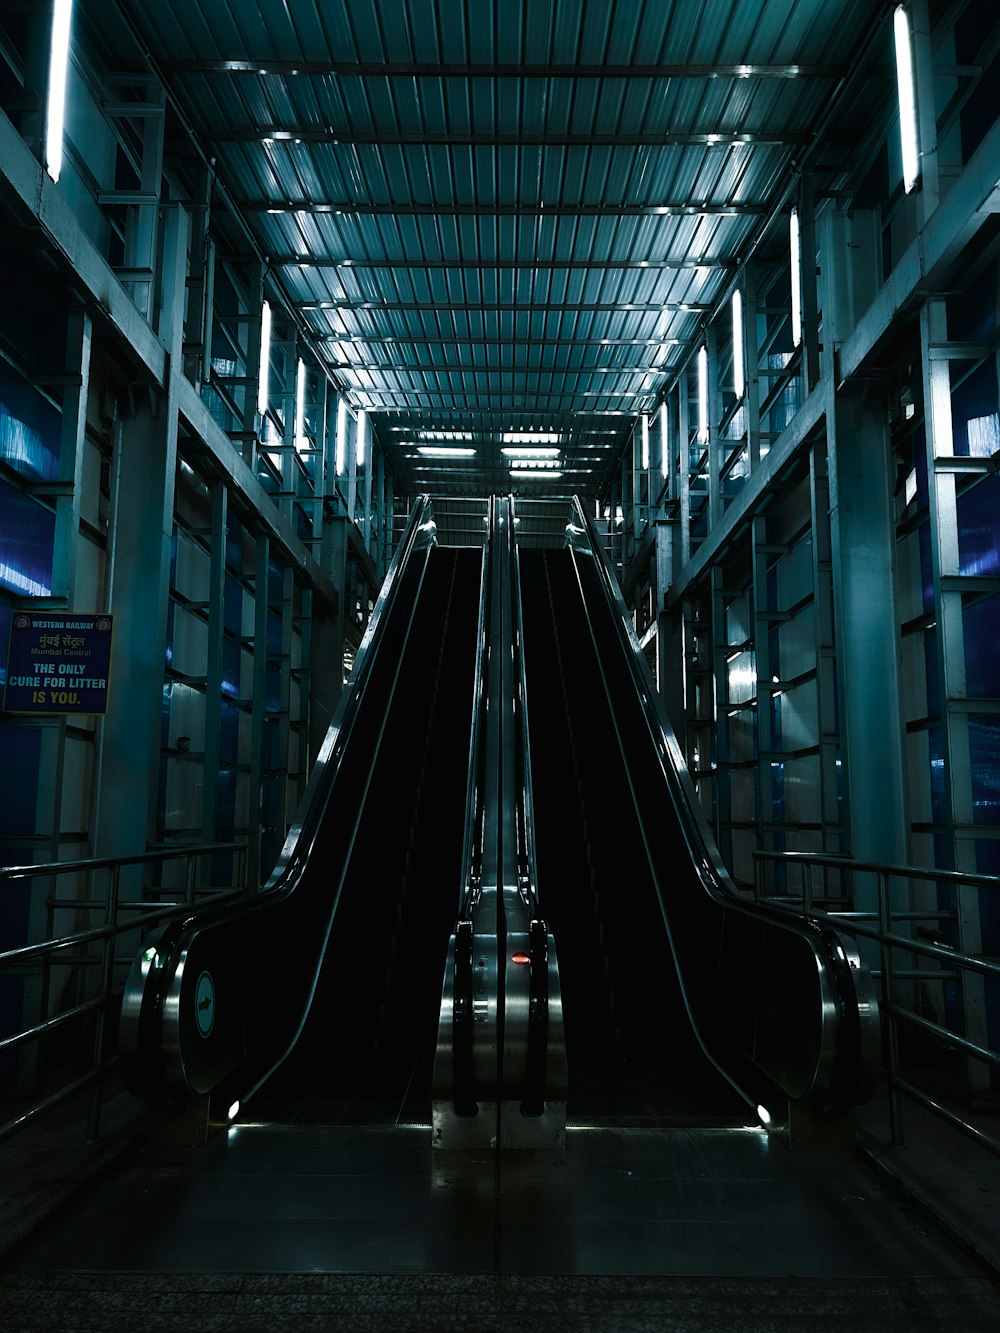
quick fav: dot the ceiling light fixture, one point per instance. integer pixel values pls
(795, 245)
(525, 451)
(444, 451)
(739, 374)
(909, 141)
(664, 442)
(703, 394)
(300, 405)
(264, 368)
(341, 458)
(530, 437)
(55, 111)
(362, 442)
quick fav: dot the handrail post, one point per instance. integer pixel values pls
(888, 1008)
(191, 861)
(107, 987)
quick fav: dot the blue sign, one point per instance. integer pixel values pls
(58, 662)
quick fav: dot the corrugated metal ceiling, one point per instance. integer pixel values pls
(503, 215)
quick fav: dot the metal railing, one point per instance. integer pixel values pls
(829, 887)
(75, 949)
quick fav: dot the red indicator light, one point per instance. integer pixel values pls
(520, 958)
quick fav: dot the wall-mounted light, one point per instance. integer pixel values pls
(906, 88)
(795, 246)
(739, 354)
(300, 405)
(703, 394)
(644, 427)
(341, 457)
(362, 442)
(55, 110)
(664, 443)
(264, 368)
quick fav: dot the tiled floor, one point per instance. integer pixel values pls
(616, 1201)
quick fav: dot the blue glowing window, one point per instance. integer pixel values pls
(29, 428)
(981, 622)
(975, 425)
(27, 534)
(979, 528)
(984, 753)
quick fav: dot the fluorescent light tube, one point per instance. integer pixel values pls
(529, 437)
(703, 394)
(362, 442)
(739, 364)
(645, 441)
(525, 451)
(264, 368)
(795, 246)
(341, 457)
(300, 405)
(907, 98)
(445, 451)
(55, 111)
(664, 444)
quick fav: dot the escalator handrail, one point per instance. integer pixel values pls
(527, 791)
(473, 825)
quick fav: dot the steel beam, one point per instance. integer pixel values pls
(349, 208)
(535, 263)
(398, 69)
(530, 138)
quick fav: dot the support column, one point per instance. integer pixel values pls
(866, 620)
(139, 559)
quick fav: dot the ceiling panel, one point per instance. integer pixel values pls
(504, 215)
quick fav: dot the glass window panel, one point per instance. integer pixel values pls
(979, 528)
(29, 428)
(975, 428)
(21, 749)
(981, 631)
(984, 754)
(935, 755)
(27, 535)
(742, 678)
(802, 790)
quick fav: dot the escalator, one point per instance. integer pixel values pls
(318, 999)
(680, 993)
(632, 1055)
(365, 1053)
